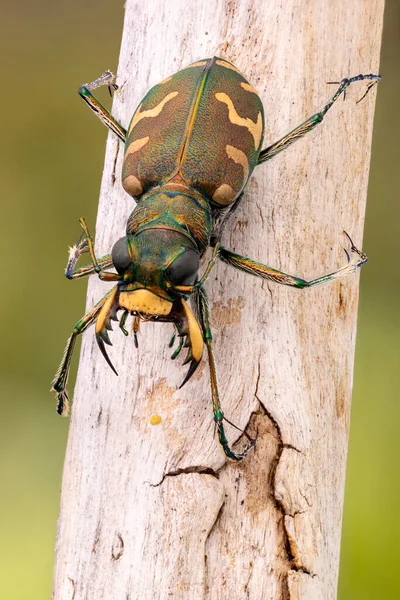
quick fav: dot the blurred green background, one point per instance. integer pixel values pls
(50, 174)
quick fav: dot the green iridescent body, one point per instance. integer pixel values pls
(190, 148)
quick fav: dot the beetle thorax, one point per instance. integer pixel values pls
(167, 208)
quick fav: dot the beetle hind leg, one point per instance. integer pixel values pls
(259, 270)
(219, 418)
(314, 120)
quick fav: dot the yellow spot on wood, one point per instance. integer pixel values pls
(165, 80)
(152, 112)
(200, 63)
(227, 65)
(239, 158)
(248, 87)
(155, 420)
(224, 194)
(132, 186)
(254, 128)
(136, 145)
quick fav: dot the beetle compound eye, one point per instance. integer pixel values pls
(120, 255)
(183, 270)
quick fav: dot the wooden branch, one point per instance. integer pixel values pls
(156, 511)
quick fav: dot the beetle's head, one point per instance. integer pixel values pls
(163, 261)
(158, 270)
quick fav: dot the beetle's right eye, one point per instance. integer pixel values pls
(120, 255)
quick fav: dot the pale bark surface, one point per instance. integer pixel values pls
(156, 512)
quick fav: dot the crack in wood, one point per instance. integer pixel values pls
(185, 471)
(288, 541)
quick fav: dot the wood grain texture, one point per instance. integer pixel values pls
(156, 511)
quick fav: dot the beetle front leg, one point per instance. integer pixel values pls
(59, 384)
(313, 121)
(85, 92)
(203, 312)
(103, 275)
(259, 270)
(81, 247)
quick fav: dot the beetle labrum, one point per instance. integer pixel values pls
(190, 148)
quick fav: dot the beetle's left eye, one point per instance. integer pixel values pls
(183, 270)
(120, 255)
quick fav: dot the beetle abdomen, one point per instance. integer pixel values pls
(204, 123)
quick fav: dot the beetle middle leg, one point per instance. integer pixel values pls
(259, 270)
(210, 264)
(203, 312)
(313, 121)
(85, 92)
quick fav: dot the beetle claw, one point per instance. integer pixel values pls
(103, 337)
(192, 369)
(190, 336)
(100, 343)
(104, 325)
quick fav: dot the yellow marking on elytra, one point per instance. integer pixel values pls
(239, 158)
(248, 87)
(152, 112)
(155, 419)
(224, 194)
(165, 80)
(132, 186)
(227, 65)
(254, 128)
(199, 63)
(136, 145)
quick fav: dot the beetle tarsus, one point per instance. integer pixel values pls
(63, 403)
(224, 442)
(107, 78)
(369, 86)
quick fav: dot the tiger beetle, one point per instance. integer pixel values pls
(190, 149)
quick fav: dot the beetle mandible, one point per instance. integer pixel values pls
(190, 149)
